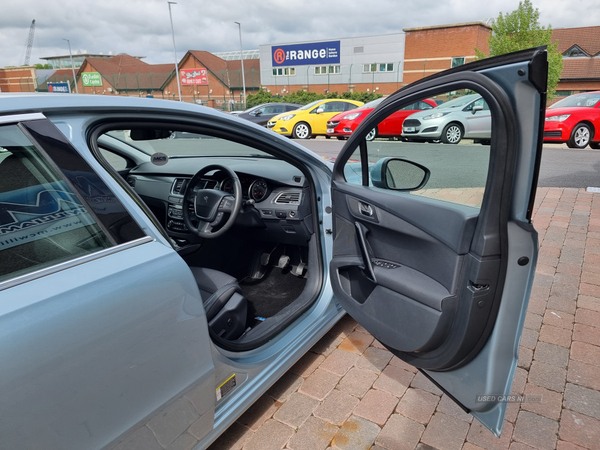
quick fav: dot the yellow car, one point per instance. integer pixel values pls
(310, 120)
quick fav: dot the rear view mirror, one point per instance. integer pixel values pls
(399, 174)
(148, 134)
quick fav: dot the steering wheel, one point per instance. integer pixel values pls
(211, 205)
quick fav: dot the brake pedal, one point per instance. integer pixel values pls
(283, 262)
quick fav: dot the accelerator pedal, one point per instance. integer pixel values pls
(299, 270)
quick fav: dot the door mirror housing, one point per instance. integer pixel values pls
(476, 108)
(320, 110)
(399, 174)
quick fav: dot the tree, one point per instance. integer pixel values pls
(520, 30)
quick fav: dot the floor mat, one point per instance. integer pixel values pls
(275, 291)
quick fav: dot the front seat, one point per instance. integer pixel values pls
(216, 289)
(226, 308)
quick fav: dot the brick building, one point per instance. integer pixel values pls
(18, 79)
(434, 49)
(213, 81)
(123, 75)
(580, 48)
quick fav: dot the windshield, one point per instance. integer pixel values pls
(310, 105)
(182, 143)
(372, 103)
(579, 100)
(459, 101)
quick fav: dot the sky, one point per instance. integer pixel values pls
(142, 27)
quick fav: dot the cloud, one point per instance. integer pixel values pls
(142, 27)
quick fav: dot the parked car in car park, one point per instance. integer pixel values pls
(152, 288)
(574, 120)
(310, 120)
(261, 114)
(343, 124)
(467, 116)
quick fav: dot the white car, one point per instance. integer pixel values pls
(466, 116)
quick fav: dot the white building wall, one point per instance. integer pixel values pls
(354, 54)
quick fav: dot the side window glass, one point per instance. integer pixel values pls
(117, 162)
(451, 143)
(424, 105)
(43, 222)
(334, 107)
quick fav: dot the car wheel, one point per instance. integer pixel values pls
(301, 131)
(371, 135)
(580, 136)
(595, 145)
(452, 133)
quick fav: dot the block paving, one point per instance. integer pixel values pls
(349, 392)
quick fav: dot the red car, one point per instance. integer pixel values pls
(574, 120)
(345, 123)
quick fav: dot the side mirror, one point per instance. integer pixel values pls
(476, 108)
(257, 113)
(399, 174)
(320, 110)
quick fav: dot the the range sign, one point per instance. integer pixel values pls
(62, 88)
(193, 76)
(306, 54)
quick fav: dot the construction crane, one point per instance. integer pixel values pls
(29, 43)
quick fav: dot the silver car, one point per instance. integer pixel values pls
(466, 116)
(152, 289)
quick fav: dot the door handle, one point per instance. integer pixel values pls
(361, 232)
(365, 209)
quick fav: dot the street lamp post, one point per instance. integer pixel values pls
(242, 59)
(72, 66)
(175, 50)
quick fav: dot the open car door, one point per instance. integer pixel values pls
(434, 252)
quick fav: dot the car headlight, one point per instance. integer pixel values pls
(560, 118)
(351, 116)
(435, 115)
(288, 117)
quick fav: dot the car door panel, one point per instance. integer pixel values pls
(98, 340)
(417, 268)
(437, 283)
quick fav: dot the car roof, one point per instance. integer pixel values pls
(26, 102)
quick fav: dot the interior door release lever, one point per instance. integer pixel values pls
(365, 209)
(361, 233)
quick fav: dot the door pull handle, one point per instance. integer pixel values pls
(361, 232)
(365, 209)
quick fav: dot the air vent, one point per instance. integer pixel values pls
(288, 198)
(131, 181)
(179, 186)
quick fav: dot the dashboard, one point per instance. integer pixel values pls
(275, 205)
